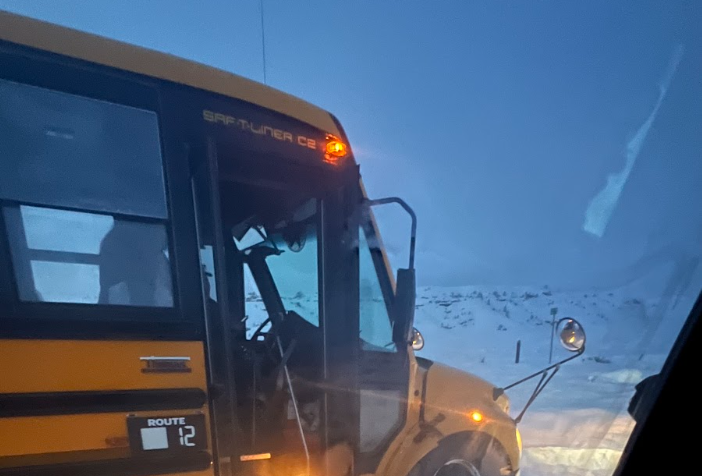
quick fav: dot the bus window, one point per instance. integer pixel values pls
(295, 273)
(294, 266)
(83, 199)
(58, 149)
(376, 328)
(66, 256)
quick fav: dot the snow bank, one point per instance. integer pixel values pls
(565, 461)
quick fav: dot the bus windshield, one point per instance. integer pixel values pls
(290, 250)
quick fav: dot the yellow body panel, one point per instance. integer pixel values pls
(73, 365)
(65, 433)
(455, 394)
(32, 366)
(101, 50)
(60, 433)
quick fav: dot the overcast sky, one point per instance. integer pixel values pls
(500, 122)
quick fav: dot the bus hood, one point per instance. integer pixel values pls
(462, 390)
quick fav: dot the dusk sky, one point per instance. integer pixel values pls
(498, 121)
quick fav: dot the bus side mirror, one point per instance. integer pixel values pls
(417, 340)
(405, 295)
(405, 287)
(571, 334)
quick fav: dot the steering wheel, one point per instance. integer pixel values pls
(259, 330)
(262, 347)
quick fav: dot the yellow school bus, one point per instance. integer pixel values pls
(192, 282)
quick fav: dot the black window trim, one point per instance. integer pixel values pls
(19, 319)
(116, 215)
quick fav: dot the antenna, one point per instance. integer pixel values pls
(263, 42)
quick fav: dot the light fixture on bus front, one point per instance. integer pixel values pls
(334, 150)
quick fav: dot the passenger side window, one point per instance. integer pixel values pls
(62, 150)
(83, 199)
(376, 328)
(66, 256)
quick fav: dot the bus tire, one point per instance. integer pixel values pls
(464, 455)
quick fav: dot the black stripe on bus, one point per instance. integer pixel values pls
(71, 403)
(159, 464)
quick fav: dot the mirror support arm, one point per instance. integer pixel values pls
(497, 391)
(539, 387)
(410, 212)
(543, 381)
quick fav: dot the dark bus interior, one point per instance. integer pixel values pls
(277, 361)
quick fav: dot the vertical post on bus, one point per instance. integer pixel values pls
(519, 351)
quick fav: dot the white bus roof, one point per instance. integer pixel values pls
(97, 49)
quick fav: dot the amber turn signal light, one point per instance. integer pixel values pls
(334, 150)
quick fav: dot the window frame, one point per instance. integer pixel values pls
(182, 321)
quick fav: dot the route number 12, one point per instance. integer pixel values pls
(187, 433)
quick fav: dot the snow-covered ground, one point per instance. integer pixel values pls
(579, 424)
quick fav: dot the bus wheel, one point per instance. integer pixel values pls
(458, 467)
(464, 457)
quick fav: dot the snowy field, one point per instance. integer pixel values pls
(579, 425)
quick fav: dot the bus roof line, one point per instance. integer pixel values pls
(124, 56)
